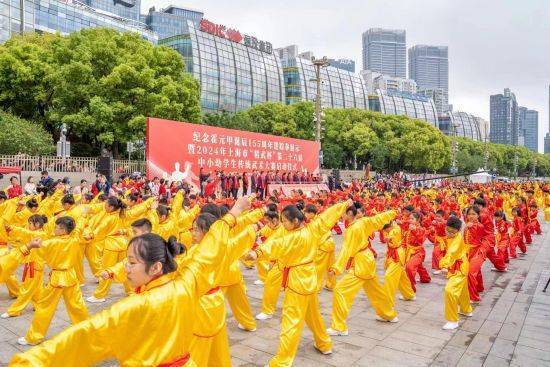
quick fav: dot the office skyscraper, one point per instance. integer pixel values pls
(385, 51)
(429, 68)
(504, 118)
(529, 126)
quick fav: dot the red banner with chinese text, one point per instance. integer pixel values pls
(177, 150)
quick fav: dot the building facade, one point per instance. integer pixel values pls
(529, 128)
(464, 125)
(128, 9)
(440, 98)
(399, 103)
(376, 81)
(235, 71)
(385, 51)
(344, 64)
(64, 17)
(429, 67)
(339, 88)
(172, 21)
(504, 118)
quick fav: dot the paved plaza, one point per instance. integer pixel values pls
(511, 327)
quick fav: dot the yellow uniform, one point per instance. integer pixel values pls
(395, 277)
(114, 248)
(360, 264)
(210, 343)
(232, 281)
(295, 252)
(263, 264)
(8, 209)
(456, 290)
(273, 280)
(60, 253)
(151, 328)
(33, 271)
(324, 260)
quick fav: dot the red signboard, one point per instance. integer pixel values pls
(220, 31)
(177, 151)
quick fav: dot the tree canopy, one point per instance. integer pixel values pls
(101, 83)
(21, 136)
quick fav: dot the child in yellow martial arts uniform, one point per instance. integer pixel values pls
(272, 223)
(395, 277)
(296, 253)
(456, 295)
(33, 268)
(59, 253)
(114, 244)
(360, 264)
(161, 313)
(325, 254)
(7, 211)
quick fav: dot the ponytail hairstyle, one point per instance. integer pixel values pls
(310, 208)
(163, 210)
(38, 220)
(291, 212)
(300, 205)
(212, 209)
(32, 203)
(152, 248)
(204, 221)
(68, 199)
(116, 203)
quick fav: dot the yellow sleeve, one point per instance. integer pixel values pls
(177, 206)
(90, 341)
(246, 219)
(349, 248)
(187, 217)
(395, 238)
(21, 234)
(10, 208)
(47, 206)
(239, 244)
(102, 228)
(375, 223)
(118, 271)
(137, 211)
(327, 219)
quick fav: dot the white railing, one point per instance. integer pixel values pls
(67, 164)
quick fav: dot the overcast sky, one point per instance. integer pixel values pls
(493, 44)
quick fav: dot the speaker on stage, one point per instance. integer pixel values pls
(105, 167)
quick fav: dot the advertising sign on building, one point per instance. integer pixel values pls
(234, 35)
(178, 150)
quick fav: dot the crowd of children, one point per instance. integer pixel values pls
(180, 260)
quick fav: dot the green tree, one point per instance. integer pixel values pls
(101, 83)
(21, 136)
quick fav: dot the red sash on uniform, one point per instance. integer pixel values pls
(28, 269)
(181, 361)
(286, 270)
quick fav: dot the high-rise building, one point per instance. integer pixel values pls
(529, 128)
(172, 21)
(429, 67)
(440, 98)
(376, 81)
(385, 51)
(235, 70)
(65, 17)
(344, 64)
(128, 9)
(504, 118)
(547, 137)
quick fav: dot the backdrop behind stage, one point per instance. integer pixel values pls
(177, 150)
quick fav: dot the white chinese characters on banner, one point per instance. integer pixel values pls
(226, 152)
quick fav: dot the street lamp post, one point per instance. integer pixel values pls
(454, 150)
(318, 64)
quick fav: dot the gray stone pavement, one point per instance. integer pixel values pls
(511, 327)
